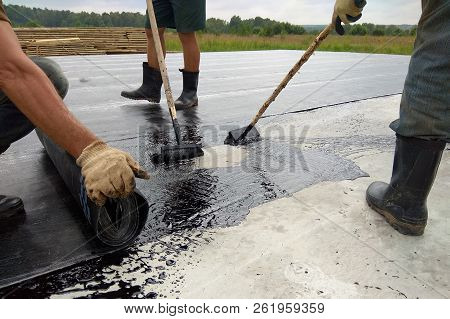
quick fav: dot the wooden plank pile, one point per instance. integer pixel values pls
(81, 41)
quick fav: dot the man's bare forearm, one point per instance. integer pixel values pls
(107, 172)
(34, 95)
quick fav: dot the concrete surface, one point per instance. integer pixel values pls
(325, 241)
(322, 242)
(232, 86)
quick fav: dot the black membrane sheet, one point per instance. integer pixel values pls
(54, 233)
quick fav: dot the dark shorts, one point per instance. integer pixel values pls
(425, 106)
(182, 15)
(13, 124)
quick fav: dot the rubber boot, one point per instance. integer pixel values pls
(188, 97)
(10, 207)
(150, 89)
(403, 202)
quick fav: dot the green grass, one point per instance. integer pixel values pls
(364, 44)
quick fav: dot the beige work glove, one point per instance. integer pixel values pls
(347, 11)
(108, 172)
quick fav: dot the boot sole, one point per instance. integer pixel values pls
(12, 213)
(186, 106)
(401, 227)
(141, 99)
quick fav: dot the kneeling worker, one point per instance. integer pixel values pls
(31, 96)
(186, 16)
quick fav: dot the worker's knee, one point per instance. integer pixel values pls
(149, 34)
(187, 37)
(54, 73)
(13, 125)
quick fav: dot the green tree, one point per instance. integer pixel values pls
(378, 31)
(216, 26)
(235, 24)
(358, 29)
(393, 30)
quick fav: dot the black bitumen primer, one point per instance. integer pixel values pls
(52, 243)
(243, 136)
(183, 197)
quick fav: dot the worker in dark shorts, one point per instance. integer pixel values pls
(186, 16)
(31, 93)
(423, 128)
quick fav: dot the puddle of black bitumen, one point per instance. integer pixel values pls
(183, 197)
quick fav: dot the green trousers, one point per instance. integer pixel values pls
(425, 105)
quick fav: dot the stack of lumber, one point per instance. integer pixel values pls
(81, 41)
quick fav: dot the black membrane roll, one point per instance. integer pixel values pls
(119, 222)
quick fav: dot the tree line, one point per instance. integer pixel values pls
(258, 26)
(380, 30)
(22, 16)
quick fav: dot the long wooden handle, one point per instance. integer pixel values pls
(312, 48)
(161, 60)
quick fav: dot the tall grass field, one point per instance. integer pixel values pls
(402, 45)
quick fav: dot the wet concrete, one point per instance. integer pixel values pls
(324, 241)
(191, 195)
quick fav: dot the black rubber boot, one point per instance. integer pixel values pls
(403, 202)
(188, 97)
(10, 207)
(150, 89)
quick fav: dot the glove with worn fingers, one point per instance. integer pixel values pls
(108, 172)
(347, 11)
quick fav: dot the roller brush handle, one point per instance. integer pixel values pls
(312, 48)
(161, 60)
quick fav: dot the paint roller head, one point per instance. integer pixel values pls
(243, 136)
(172, 154)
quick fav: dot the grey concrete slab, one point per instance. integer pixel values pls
(321, 242)
(327, 243)
(233, 85)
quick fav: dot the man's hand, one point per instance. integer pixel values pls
(108, 172)
(347, 11)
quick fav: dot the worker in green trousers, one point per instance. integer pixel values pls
(423, 128)
(31, 95)
(186, 16)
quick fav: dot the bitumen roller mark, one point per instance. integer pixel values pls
(181, 196)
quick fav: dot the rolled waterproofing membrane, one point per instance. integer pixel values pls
(119, 222)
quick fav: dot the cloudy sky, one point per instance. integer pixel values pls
(294, 11)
